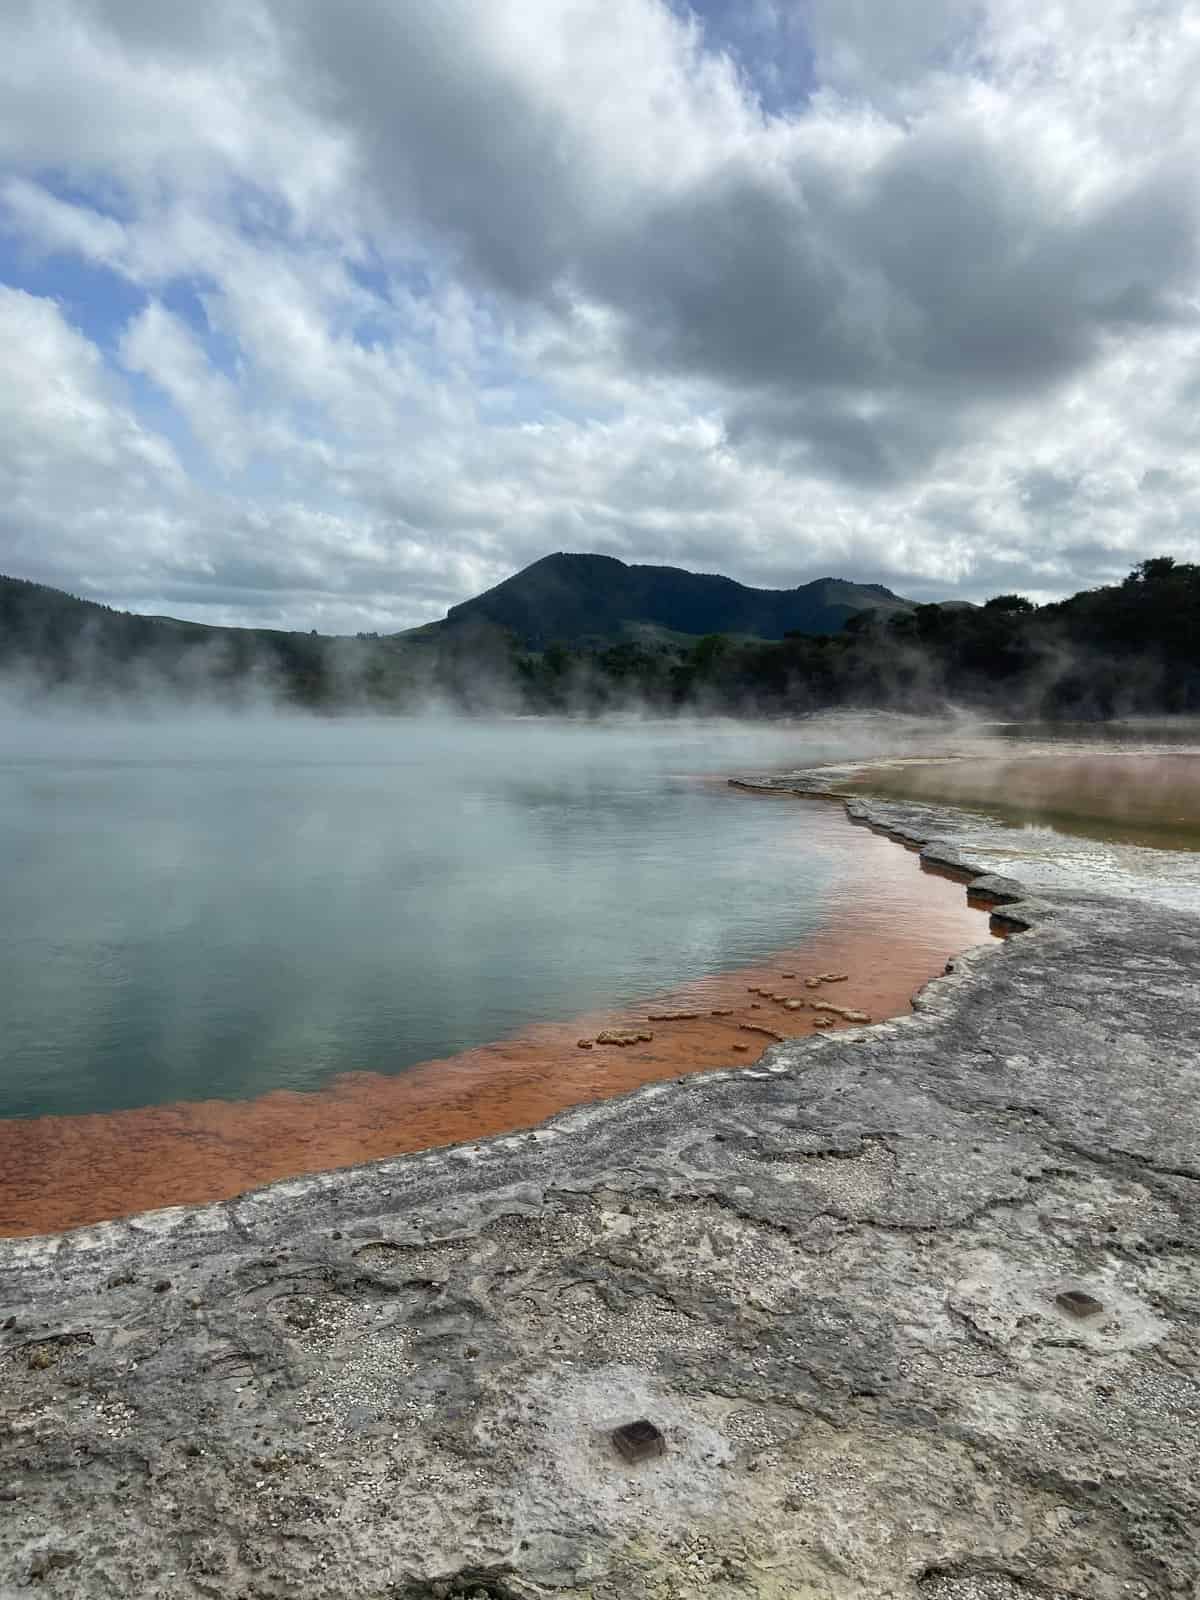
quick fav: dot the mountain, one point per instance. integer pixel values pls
(580, 599)
(52, 641)
(653, 638)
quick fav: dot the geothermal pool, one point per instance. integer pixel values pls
(221, 909)
(202, 917)
(1146, 796)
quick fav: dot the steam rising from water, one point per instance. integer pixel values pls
(213, 905)
(209, 904)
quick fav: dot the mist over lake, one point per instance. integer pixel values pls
(216, 907)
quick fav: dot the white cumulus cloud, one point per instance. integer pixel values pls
(366, 305)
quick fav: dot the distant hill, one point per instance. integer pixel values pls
(581, 599)
(487, 652)
(50, 640)
(588, 634)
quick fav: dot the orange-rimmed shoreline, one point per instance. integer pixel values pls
(61, 1172)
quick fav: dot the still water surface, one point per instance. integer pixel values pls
(219, 908)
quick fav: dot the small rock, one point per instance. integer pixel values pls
(48, 1561)
(1078, 1303)
(638, 1441)
(162, 1286)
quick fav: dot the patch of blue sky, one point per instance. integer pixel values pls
(396, 283)
(261, 217)
(94, 299)
(103, 194)
(186, 299)
(388, 289)
(380, 278)
(158, 415)
(370, 330)
(768, 41)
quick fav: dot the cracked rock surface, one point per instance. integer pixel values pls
(855, 1288)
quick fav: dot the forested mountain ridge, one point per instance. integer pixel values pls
(580, 600)
(1131, 648)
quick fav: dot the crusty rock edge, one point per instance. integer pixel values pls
(849, 1285)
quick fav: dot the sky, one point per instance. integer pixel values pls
(332, 313)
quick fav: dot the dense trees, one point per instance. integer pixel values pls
(1131, 648)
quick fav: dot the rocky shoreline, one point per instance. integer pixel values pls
(854, 1287)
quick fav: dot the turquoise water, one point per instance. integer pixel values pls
(218, 908)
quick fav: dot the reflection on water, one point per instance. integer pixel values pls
(1132, 797)
(1141, 733)
(895, 930)
(220, 909)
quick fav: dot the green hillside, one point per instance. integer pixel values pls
(578, 600)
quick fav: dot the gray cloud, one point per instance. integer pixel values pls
(484, 281)
(949, 263)
(951, 254)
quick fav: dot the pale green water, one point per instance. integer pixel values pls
(209, 908)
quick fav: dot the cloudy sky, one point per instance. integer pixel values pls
(329, 313)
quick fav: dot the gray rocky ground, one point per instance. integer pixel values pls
(831, 1280)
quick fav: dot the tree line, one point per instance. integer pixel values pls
(1123, 650)
(1131, 648)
